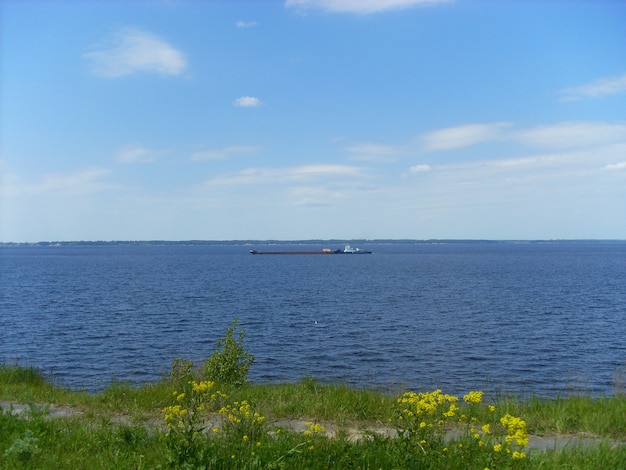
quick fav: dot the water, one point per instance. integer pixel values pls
(543, 319)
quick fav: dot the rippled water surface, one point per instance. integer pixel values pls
(529, 318)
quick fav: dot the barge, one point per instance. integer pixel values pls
(348, 250)
(325, 251)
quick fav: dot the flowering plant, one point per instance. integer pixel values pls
(429, 424)
(185, 423)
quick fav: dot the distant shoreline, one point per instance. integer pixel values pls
(298, 242)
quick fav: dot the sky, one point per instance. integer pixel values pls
(312, 119)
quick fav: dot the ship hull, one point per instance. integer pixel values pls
(323, 252)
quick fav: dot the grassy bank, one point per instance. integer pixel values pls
(185, 422)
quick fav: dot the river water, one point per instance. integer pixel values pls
(538, 318)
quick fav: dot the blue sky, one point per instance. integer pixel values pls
(304, 119)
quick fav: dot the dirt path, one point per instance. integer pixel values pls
(538, 443)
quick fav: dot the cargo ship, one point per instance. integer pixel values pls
(325, 251)
(348, 250)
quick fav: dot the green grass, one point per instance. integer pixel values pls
(584, 415)
(308, 398)
(123, 427)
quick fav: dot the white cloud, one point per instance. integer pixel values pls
(370, 148)
(245, 24)
(464, 136)
(364, 7)
(419, 168)
(135, 154)
(373, 152)
(616, 166)
(132, 50)
(562, 165)
(515, 162)
(224, 153)
(274, 175)
(324, 170)
(573, 134)
(600, 87)
(312, 196)
(561, 135)
(79, 182)
(248, 102)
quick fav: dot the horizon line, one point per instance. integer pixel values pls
(310, 241)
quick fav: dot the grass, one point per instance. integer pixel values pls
(573, 415)
(335, 402)
(124, 427)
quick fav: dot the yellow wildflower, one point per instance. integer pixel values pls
(516, 430)
(451, 411)
(202, 387)
(313, 428)
(474, 397)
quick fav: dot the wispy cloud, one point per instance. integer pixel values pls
(463, 136)
(248, 102)
(313, 196)
(615, 166)
(556, 164)
(572, 134)
(569, 134)
(224, 153)
(363, 7)
(246, 24)
(132, 50)
(79, 182)
(555, 169)
(134, 153)
(299, 173)
(601, 87)
(419, 168)
(324, 170)
(373, 152)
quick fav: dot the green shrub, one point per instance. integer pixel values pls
(230, 362)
